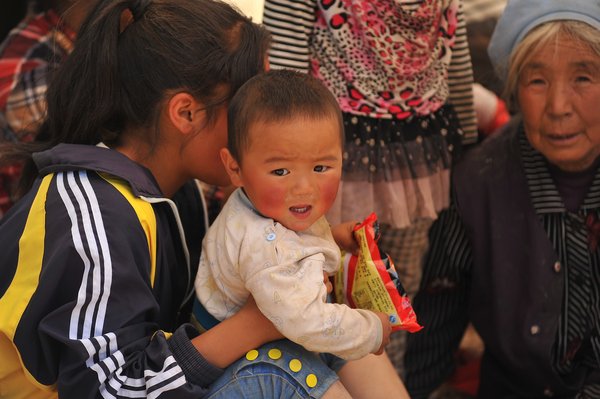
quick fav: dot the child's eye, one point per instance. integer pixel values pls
(280, 172)
(321, 168)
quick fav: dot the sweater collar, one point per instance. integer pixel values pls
(545, 196)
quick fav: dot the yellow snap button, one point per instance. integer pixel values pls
(252, 355)
(311, 380)
(274, 354)
(295, 365)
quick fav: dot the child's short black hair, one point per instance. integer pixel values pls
(275, 96)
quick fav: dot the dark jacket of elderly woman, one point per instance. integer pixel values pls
(517, 253)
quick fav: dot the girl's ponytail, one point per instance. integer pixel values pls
(84, 94)
(130, 55)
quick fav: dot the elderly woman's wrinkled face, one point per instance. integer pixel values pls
(559, 96)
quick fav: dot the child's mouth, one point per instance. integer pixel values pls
(300, 209)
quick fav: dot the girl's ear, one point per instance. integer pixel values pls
(186, 113)
(232, 167)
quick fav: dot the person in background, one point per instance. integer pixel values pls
(28, 56)
(517, 252)
(401, 72)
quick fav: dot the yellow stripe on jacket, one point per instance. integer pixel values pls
(15, 381)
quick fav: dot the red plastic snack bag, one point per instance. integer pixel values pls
(369, 280)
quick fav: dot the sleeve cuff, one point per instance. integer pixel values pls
(196, 368)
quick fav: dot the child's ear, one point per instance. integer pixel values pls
(232, 167)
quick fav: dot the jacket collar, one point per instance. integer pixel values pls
(69, 157)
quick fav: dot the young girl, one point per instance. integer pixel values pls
(271, 239)
(96, 267)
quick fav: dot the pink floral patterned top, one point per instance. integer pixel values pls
(385, 58)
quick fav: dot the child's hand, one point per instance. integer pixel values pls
(387, 330)
(343, 234)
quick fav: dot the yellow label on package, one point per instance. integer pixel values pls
(368, 289)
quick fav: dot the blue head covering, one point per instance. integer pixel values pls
(521, 16)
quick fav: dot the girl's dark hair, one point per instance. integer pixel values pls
(277, 96)
(119, 76)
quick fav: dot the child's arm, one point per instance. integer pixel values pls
(292, 296)
(385, 322)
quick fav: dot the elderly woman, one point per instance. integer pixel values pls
(517, 254)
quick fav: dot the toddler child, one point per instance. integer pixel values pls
(271, 239)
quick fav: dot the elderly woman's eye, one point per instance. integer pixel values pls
(536, 81)
(583, 79)
(532, 79)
